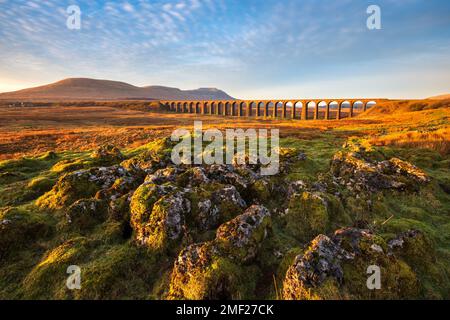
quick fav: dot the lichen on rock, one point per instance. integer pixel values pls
(336, 268)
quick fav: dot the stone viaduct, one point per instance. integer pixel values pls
(300, 109)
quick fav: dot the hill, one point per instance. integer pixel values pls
(402, 106)
(441, 97)
(93, 89)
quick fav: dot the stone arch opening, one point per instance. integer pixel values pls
(298, 106)
(269, 109)
(260, 109)
(242, 108)
(252, 109)
(213, 108)
(278, 109)
(206, 108)
(191, 107)
(234, 110)
(310, 109)
(289, 109)
(369, 105)
(228, 111)
(358, 107)
(220, 109)
(185, 107)
(333, 106)
(197, 107)
(322, 107)
(345, 109)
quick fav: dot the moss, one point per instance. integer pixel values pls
(310, 214)
(222, 279)
(150, 156)
(47, 280)
(40, 185)
(69, 188)
(262, 190)
(9, 177)
(398, 280)
(158, 232)
(85, 213)
(107, 155)
(69, 165)
(143, 200)
(19, 227)
(119, 272)
(49, 155)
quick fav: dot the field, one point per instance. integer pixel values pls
(386, 171)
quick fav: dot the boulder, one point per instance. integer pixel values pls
(166, 223)
(107, 155)
(241, 237)
(359, 173)
(212, 207)
(336, 268)
(86, 213)
(310, 213)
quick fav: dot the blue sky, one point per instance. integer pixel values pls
(249, 48)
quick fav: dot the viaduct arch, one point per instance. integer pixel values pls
(297, 109)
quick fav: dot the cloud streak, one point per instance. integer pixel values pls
(238, 45)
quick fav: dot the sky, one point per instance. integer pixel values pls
(252, 49)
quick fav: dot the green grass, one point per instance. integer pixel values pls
(115, 268)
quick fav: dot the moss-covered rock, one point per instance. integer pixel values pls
(201, 273)
(107, 155)
(241, 237)
(151, 157)
(312, 213)
(166, 224)
(80, 185)
(40, 185)
(359, 171)
(9, 177)
(143, 200)
(336, 268)
(86, 213)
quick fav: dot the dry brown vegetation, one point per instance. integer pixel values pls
(41, 127)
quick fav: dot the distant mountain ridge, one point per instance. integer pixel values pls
(94, 89)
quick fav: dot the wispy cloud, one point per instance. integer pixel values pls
(238, 45)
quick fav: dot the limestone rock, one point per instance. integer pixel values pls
(241, 237)
(335, 268)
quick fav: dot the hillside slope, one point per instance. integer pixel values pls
(441, 97)
(85, 89)
(396, 106)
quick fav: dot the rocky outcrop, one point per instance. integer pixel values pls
(107, 155)
(336, 268)
(86, 213)
(216, 269)
(82, 184)
(240, 237)
(165, 224)
(358, 172)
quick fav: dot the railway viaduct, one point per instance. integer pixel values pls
(300, 109)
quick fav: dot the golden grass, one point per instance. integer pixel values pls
(438, 140)
(33, 130)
